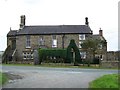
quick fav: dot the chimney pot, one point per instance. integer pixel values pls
(86, 21)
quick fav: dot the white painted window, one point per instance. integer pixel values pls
(80, 42)
(41, 41)
(100, 46)
(28, 42)
(54, 41)
(82, 37)
(83, 55)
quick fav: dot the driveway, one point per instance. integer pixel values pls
(44, 77)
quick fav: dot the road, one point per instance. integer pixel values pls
(44, 77)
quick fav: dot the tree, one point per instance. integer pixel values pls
(91, 46)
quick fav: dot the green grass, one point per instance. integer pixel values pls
(106, 81)
(3, 78)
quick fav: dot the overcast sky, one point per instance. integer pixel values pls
(101, 14)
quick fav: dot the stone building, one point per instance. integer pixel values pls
(22, 43)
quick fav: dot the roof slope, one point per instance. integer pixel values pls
(12, 33)
(97, 36)
(60, 29)
(51, 29)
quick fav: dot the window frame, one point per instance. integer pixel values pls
(81, 36)
(28, 41)
(54, 41)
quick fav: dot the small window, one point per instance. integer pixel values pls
(83, 55)
(80, 42)
(100, 46)
(54, 41)
(82, 37)
(41, 41)
(27, 41)
(54, 37)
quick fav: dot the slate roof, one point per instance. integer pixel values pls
(97, 36)
(52, 29)
(12, 33)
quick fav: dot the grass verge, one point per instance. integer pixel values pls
(3, 78)
(106, 81)
(61, 65)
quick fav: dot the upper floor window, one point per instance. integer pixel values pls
(54, 41)
(41, 41)
(28, 42)
(82, 37)
(100, 46)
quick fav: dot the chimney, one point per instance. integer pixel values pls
(22, 21)
(86, 21)
(101, 32)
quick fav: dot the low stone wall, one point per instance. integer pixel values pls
(110, 64)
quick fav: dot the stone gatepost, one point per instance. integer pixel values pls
(36, 57)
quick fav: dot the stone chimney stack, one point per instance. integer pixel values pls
(86, 21)
(101, 32)
(22, 21)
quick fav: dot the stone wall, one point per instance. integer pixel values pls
(34, 42)
(113, 55)
(110, 64)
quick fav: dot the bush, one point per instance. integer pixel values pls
(69, 56)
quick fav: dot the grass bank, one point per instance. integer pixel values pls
(3, 78)
(62, 65)
(106, 81)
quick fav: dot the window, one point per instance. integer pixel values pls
(41, 41)
(27, 41)
(83, 55)
(82, 37)
(100, 46)
(54, 41)
(80, 42)
(27, 55)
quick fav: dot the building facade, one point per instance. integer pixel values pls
(22, 43)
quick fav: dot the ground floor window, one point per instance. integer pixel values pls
(27, 55)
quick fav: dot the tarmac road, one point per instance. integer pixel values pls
(44, 77)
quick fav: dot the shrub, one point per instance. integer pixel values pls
(69, 56)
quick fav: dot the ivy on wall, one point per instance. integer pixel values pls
(72, 48)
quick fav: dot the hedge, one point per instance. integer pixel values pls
(45, 54)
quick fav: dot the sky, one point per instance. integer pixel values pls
(101, 14)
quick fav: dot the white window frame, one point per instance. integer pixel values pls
(83, 55)
(41, 41)
(54, 41)
(80, 42)
(28, 42)
(81, 36)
